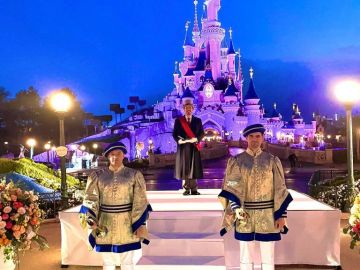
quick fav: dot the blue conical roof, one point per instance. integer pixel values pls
(231, 48)
(231, 89)
(188, 39)
(187, 93)
(274, 113)
(201, 61)
(189, 72)
(251, 94)
(208, 74)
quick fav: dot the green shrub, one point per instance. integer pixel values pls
(42, 174)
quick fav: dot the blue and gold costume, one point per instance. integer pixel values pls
(116, 200)
(255, 182)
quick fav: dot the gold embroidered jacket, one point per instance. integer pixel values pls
(117, 201)
(256, 183)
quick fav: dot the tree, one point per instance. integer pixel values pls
(4, 95)
(29, 116)
(22, 114)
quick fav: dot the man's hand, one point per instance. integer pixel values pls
(141, 232)
(241, 214)
(238, 212)
(280, 223)
(91, 224)
(193, 140)
(181, 141)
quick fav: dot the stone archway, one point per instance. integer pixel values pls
(213, 122)
(213, 131)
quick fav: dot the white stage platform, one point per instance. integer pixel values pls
(184, 233)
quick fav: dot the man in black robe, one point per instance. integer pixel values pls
(188, 132)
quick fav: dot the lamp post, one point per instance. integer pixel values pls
(47, 147)
(6, 146)
(61, 103)
(31, 143)
(95, 146)
(82, 148)
(348, 93)
(94, 164)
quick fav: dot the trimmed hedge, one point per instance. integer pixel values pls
(41, 173)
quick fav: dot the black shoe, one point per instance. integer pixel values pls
(186, 193)
(195, 192)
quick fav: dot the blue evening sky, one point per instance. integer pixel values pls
(108, 50)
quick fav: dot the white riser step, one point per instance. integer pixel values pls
(185, 235)
(184, 247)
(185, 223)
(181, 263)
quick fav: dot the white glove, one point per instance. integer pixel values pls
(181, 141)
(193, 140)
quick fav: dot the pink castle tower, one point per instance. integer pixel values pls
(213, 34)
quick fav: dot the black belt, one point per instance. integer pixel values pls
(259, 205)
(119, 208)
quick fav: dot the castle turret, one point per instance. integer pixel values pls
(223, 53)
(204, 16)
(196, 32)
(188, 44)
(231, 92)
(275, 115)
(251, 99)
(231, 56)
(176, 75)
(187, 95)
(213, 34)
(296, 116)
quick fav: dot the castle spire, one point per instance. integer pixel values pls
(231, 46)
(251, 94)
(196, 25)
(204, 14)
(176, 70)
(239, 75)
(251, 73)
(187, 40)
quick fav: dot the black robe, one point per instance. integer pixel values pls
(188, 161)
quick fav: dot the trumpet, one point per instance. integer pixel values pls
(100, 231)
(242, 216)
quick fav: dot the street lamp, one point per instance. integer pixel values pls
(348, 93)
(6, 146)
(47, 147)
(95, 146)
(31, 143)
(61, 103)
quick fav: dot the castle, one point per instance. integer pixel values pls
(210, 73)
